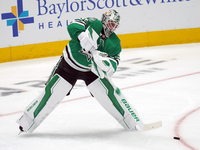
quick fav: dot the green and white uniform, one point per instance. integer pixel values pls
(74, 55)
(76, 64)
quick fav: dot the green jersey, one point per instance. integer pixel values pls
(73, 53)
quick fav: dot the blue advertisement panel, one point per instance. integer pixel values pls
(37, 21)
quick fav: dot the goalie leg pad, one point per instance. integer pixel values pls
(111, 98)
(41, 107)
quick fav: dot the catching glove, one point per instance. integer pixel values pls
(104, 64)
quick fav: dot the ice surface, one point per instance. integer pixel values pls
(160, 82)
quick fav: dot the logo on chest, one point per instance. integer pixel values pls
(87, 54)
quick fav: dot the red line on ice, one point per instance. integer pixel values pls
(2, 115)
(161, 80)
(178, 124)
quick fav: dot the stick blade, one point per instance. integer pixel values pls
(152, 126)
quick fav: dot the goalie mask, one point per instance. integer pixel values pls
(110, 21)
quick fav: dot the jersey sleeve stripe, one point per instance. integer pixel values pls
(68, 58)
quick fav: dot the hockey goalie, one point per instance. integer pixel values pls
(92, 55)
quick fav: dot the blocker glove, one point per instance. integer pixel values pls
(101, 64)
(88, 39)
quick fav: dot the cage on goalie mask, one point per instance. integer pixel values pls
(110, 20)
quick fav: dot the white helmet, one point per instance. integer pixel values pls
(110, 20)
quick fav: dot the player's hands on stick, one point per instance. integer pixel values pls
(96, 70)
(103, 63)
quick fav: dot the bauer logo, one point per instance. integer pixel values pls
(17, 18)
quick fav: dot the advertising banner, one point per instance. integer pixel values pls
(25, 22)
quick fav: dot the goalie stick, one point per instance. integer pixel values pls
(145, 127)
(138, 120)
(150, 126)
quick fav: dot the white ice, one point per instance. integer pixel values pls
(162, 83)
